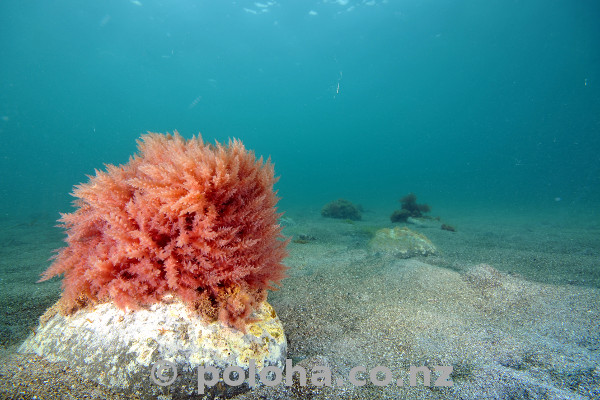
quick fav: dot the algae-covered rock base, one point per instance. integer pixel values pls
(119, 349)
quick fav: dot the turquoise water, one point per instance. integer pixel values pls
(488, 110)
(466, 103)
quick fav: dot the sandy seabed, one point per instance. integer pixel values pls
(513, 305)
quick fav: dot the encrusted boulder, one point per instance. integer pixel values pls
(125, 349)
(401, 242)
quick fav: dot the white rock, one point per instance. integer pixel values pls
(118, 348)
(401, 242)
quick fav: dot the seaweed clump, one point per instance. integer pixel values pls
(342, 209)
(410, 208)
(182, 218)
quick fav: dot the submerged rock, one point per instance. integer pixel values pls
(402, 243)
(125, 350)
